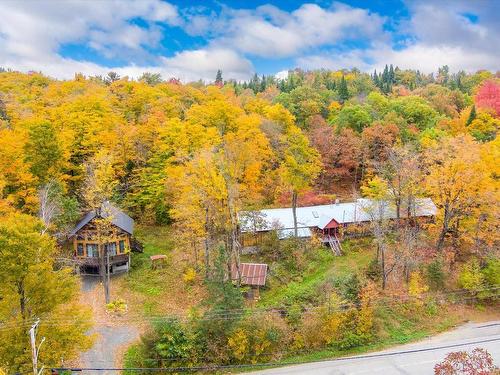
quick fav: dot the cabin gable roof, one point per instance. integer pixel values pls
(107, 210)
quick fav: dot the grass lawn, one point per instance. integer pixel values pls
(160, 291)
(322, 267)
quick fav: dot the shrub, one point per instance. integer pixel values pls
(172, 344)
(294, 315)
(189, 276)
(238, 344)
(373, 271)
(435, 274)
(259, 338)
(117, 306)
(336, 326)
(417, 287)
(349, 287)
(471, 277)
(491, 272)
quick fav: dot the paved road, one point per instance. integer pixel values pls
(416, 363)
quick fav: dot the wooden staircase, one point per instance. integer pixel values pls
(334, 243)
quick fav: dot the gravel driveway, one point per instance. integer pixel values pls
(113, 335)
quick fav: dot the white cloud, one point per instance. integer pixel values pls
(188, 66)
(335, 60)
(34, 28)
(31, 33)
(204, 63)
(458, 33)
(270, 32)
(282, 74)
(428, 58)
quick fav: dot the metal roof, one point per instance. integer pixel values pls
(301, 233)
(107, 210)
(251, 273)
(361, 210)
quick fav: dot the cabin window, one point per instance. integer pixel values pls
(79, 250)
(122, 246)
(111, 248)
(92, 250)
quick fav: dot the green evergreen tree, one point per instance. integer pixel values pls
(263, 84)
(343, 92)
(376, 79)
(391, 75)
(385, 75)
(218, 78)
(472, 115)
(254, 83)
(281, 85)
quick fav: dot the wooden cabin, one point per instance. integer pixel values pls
(330, 222)
(102, 232)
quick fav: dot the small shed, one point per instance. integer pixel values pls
(253, 274)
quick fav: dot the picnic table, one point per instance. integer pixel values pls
(157, 260)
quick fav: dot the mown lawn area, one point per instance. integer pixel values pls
(159, 291)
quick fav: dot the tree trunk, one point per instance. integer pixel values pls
(294, 211)
(108, 276)
(384, 276)
(398, 210)
(22, 299)
(442, 236)
(444, 229)
(102, 271)
(207, 251)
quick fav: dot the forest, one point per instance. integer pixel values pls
(189, 157)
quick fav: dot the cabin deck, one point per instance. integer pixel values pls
(90, 265)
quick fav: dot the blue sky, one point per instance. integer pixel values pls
(192, 39)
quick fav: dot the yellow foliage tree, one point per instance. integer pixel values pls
(461, 186)
(31, 288)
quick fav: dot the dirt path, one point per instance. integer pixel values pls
(113, 333)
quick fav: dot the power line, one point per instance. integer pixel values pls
(276, 364)
(239, 313)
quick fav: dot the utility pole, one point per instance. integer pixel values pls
(34, 349)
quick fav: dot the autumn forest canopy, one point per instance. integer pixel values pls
(191, 156)
(165, 151)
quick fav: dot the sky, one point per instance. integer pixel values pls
(191, 40)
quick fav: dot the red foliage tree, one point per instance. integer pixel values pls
(479, 362)
(488, 96)
(308, 198)
(340, 153)
(377, 141)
